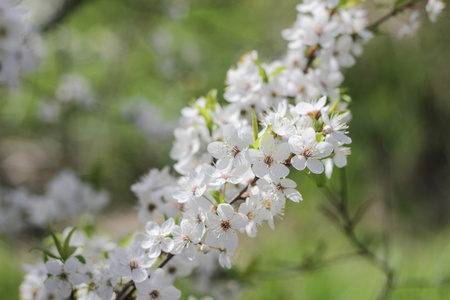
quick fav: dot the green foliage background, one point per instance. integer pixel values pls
(173, 51)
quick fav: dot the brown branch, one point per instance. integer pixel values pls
(239, 195)
(394, 12)
(67, 9)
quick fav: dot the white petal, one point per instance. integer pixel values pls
(171, 293)
(52, 283)
(167, 227)
(225, 211)
(279, 170)
(152, 228)
(71, 265)
(154, 251)
(231, 240)
(341, 137)
(167, 244)
(144, 287)
(239, 221)
(288, 183)
(251, 229)
(294, 195)
(260, 169)
(324, 149)
(282, 152)
(340, 160)
(314, 165)
(303, 108)
(217, 149)
(53, 266)
(299, 162)
(139, 274)
(65, 289)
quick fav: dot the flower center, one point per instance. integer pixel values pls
(134, 265)
(154, 294)
(151, 207)
(235, 151)
(268, 160)
(225, 225)
(307, 152)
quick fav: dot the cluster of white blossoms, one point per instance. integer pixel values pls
(72, 92)
(65, 196)
(433, 8)
(20, 46)
(234, 162)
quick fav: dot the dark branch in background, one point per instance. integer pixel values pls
(395, 11)
(69, 7)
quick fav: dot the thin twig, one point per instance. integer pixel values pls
(239, 195)
(395, 11)
(67, 9)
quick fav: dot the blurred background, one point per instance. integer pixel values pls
(137, 63)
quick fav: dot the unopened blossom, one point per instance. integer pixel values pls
(223, 227)
(309, 151)
(156, 238)
(158, 286)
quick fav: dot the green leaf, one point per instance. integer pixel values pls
(256, 143)
(205, 113)
(56, 241)
(70, 251)
(277, 71)
(319, 179)
(65, 255)
(217, 195)
(177, 219)
(211, 100)
(81, 259)
(334, 107)
(262, 72)
(125, 241)
(346, 98)
(319, 137)
(255, 125)
(46, 252)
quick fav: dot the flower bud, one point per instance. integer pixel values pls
(326, 129)
(205, 249)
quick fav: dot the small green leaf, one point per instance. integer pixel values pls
(46, 252)
(70, 251)
(262, 72)
(346, 98)
(125, 241)
(81, 259)
(333, 108)
(256, 143)
(205, 113)
(177, 219)
(319, 137)
(211, 100)
(217, 195)
(65, 255)
(277, 71)
(255, 125)
(56, 241)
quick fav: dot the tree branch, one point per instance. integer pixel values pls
(239, 195)
(395, 11)
(67, 9)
